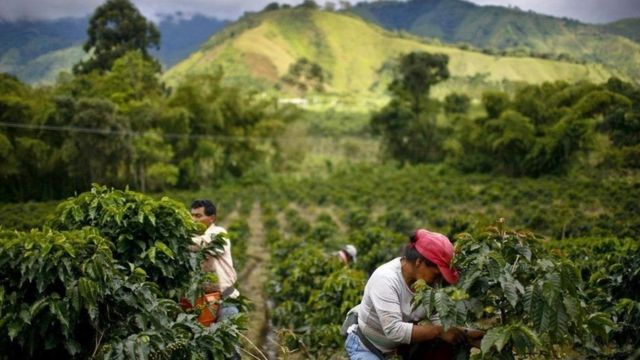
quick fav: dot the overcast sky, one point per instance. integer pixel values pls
(595, 11)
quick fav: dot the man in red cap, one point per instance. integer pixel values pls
(385, 317)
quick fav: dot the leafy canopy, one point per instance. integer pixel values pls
(115, 28)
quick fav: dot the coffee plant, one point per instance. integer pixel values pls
(529, 300)
(589, 252)
(105, 283)
(312, 290)
(150, 234)
(611, 268)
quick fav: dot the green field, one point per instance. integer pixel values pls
(375, 206)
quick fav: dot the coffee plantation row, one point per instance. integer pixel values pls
(565, 290)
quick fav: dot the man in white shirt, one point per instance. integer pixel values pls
(204, 211)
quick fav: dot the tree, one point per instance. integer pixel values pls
(271, 7)
(309, 4)
(345, 5)
(330, 6)
(495, 102)
(417, 72)
(115, 28)
(132, 78)
(510, 137)
(456, 104)
(229, 126)
(541, 130)
(25, 156)
(152, 157)
(304, 75)
(408, 123)
(100, 156)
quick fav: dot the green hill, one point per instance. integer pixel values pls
(629, 28)
(493, 27)
(35, 51)
(45, 68)
(261, 48)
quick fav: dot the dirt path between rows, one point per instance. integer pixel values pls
(252, 280)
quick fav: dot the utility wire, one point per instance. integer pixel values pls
(85, 130)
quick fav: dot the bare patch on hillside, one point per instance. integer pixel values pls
(261, 66)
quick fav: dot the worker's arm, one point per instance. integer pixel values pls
(421, 333)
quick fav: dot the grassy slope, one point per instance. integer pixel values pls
(352, 51)
(504, 28)
(45, 69)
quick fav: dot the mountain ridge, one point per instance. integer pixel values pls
(352, 51)
(36, 51)
(456, 21)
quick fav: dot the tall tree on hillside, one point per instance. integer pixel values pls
(115, 28)
(408, 123)
(417, 72)
(456, 103)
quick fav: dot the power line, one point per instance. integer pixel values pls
(85, 130)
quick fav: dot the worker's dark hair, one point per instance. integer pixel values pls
(209, 207)
(412, 254)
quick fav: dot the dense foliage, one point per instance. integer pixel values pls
(146, 233)
(115, 28)
(311, 288)
(122, 128)
(407, 124)
(544, 128)
(611, 267)
(307, 220)
(536, 302)
(530, 300)
(305, 75)
(108, 289)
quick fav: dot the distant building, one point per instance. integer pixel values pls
(294, 101)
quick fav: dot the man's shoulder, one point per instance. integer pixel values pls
(215, 230)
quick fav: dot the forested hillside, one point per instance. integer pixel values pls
(629, 28)
(509, 29)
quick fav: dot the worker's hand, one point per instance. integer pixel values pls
(474, 337)
(473, 334)
(454, 335)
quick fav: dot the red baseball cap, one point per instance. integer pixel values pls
(437, 248)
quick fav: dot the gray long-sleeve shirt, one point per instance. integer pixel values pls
(385, 315)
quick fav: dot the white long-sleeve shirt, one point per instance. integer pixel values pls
(222, 264)
(385, 315)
